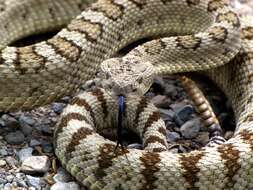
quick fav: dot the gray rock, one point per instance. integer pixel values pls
(9, 122)
(27, 120)
(183, 114)
(25, 128)
(15, 137)
(34, 142)
(161, 101)
(45, 129)
(172, 126)
(228, 135)
(24, 153)
(3, 152)
(35, 164)
(170, 91)
(21, 183)
(62, 176)
(88, 84)
(34, 181)
(3, 181)
(150, 95)
(203, 138)
(166, 115)
(172, 136)
(65, 186)
(190, 128)
(158, 83)
(10, 178)
(7, 186)
(47, 148)
(11, 161)
(58, 107)
(66, 99)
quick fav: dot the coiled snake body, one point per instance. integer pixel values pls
(208, 34)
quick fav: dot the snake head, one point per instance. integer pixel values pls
(126, 76)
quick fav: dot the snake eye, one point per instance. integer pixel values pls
(140, 80)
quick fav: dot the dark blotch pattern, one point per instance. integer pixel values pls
(108, 9)
(230, 155)
(154, 139)
(151, 119)
(189, 165)
(100, 96)
(64, 122)
(247, 137)
(213, 5)
(140, 108)
(83, 103)
(229, 17)
(81, 134)
(105, 158)
(139, 3)
(219, 34)
(188, 42)
(150, 161)
(192, 2)
(247, 33)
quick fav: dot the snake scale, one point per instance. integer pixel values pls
(205, 34)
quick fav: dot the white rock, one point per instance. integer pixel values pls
(35, 164)
(65, 186)
(2, 163)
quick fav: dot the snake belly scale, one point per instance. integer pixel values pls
(208, 34)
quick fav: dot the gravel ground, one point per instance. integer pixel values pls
(27, 160)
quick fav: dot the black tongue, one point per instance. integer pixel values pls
(121, 110)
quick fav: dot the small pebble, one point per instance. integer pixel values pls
(172, 136)
(65, 186)
(183, 114)
(171, 91)
(9, 122)
(190, 128)
(158, 84)
(2, 163)
(34, 181)
(25, 128)
(27, 120)
(202, 137)
(58, 107)
(24, 153)
(3, 152)
(15, 138)
(10, 178)
(166, 115)
(34, 142)
(62, 176)
(35, 164)
(228, 135)
(161, 101)
(47, 148)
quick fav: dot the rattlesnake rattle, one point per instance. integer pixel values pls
(40, 73)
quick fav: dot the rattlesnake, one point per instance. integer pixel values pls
(208, 35)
